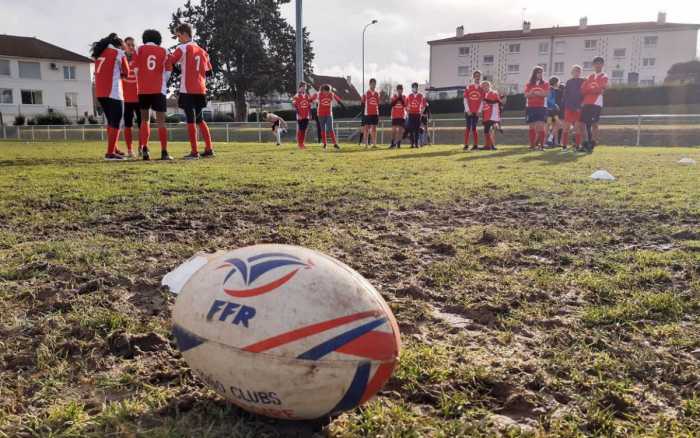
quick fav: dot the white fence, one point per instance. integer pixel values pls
(653, 129)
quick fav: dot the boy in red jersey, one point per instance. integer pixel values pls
(415, 104)
(536, 91)
(371, 115)
(195, 67)
(152, 74)
(593, 89)
(131, 98)
(473, 105)
(110, 67)
(325, 114)
(302, 103)
(572, 101)
(398, 117)
(492, 115)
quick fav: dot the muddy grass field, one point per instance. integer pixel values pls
(532, 300)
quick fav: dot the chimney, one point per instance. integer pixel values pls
(527, 26)
(460, 31)
(662, 18)
(583, 23)
(349, 79)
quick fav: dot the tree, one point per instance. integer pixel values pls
(684, 73)
(251, 46)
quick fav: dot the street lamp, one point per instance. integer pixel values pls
(363, 53)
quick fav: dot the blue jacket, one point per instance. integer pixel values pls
(573, 98)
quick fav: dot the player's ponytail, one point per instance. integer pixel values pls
(99, 46)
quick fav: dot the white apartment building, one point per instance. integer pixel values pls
(36, 76)
(635, 53)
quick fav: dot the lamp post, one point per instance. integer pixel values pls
(300, 43)
(364, 31)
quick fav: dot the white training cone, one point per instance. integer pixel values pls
(687, 161)
(603, 175)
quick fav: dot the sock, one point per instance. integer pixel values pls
(109, 140)
(560, 133)
(129, 139)
(333, 137)
(466, 137)
(279, 136)
(589, 131)
(540, 137)
(324, 137)
(533, 136)
(192, 132)
(578, 139)
(112, 136)
(302, 138)
(565, 138)
(163, 137)
(204, 129)
(144, 133)
(475, 133)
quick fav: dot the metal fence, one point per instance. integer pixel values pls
(651, 130)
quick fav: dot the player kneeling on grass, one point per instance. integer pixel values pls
(492, 115)
(398, 117)
(110, 67)
(571, 103)
(131, 98)
(325, 114)
(593, 89)
(279, 126)
(302, 104)
(195, 67)
(152, 74)
(536, 91)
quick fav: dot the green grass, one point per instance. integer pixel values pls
(578, 300)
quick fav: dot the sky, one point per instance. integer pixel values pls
(396, 49)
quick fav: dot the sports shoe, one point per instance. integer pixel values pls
(191, 156)
(118, 152)
(165, 156)
(113, 157)
(466, 147)
(475, 147)
(144, 153)
(130, 154)
(325, 147)
(335, 146)
(208, 153)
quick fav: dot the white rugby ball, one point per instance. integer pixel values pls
(283, 331)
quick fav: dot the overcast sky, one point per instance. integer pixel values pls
(396, 47)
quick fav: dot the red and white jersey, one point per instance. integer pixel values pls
(473, 99)
(536, 101)
(325, 103)
(416, 103)
(492, 109)
(593, 89)
(194, 62)
(371, 102)
(152, 69)
(110, 67)
(398, 107)
(130, 86)
(302, 103)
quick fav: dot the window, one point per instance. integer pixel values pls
(591, 44)
(618, 74)
(544, 48)
(560, 47)
(32, 97)
(463, 71)
(588, 65)
(464, 51)
(647, 82)
(29, 70)
(4, 67)
(71, 100)
(559, 68)
(514, 48)
(649, 62)
(651, 41)
(69, 72)
(620, 53)
(5, 95)
(513, 68)
(488, 59)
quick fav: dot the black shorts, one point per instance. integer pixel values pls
(131, 112)
(413, 122)
(275, 125)
(303, 124)
(590, 114)
(188, 101)
(488, 125)
(472, 121)
(536, 115)
(371, 120)
(398, 122)
(156, 102)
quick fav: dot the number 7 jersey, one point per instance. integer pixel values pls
(152, 69)
(194, 62)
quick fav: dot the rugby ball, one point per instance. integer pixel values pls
(283, 331)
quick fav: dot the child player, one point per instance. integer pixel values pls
(554, 100)
(110, 67)
(195, 67)
(131, 98)
(536, 91)
(152, 74)
(415, 104)
(371, 115)
(593, 89)
(325, 114)
(302, 103)
(492, 115)
(278, 125)
(572, 107)
(398, 117)
(473, 105)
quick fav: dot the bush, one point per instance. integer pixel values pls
(92, 120)
(80, 121)
(31, 122)
(52, 118)
(19, 120)
(222, 117)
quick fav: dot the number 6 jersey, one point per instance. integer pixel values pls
(194, 62)
(152, 69)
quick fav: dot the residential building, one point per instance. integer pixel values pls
(36, 76)
(635, 53)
